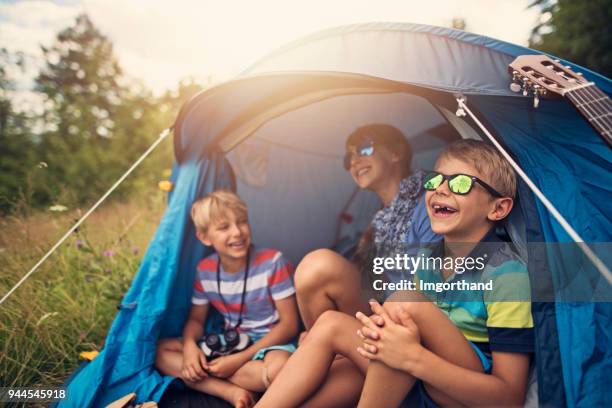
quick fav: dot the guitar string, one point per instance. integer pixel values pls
(582, 102)
(605, 99)
(590, 112)
(603, 104)
(586, 99)
(601, 100)
(600, 121)
(599, 113)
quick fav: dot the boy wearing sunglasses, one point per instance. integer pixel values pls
(469, 350)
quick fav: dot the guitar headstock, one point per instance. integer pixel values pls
(538, 75)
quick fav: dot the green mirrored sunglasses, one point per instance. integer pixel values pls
(457, 183)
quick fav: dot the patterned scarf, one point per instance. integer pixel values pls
(391, 222)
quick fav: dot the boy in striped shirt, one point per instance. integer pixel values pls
(252, 288)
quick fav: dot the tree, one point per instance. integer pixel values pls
(82, 95)
(98, 121)
(576, 30)
(16, 145)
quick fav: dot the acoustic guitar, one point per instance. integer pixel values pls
(540, 76)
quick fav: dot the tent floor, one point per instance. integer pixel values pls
(176, 398)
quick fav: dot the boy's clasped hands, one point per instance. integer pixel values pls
(395, 341)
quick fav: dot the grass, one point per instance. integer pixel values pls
(67, 305)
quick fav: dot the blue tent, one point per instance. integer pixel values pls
(276, 134)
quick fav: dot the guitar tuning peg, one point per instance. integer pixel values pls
(515, 87)
(536, 100)
(579, 73)
(525, 93)
(460, 112)
(557, 60)
(568, 67)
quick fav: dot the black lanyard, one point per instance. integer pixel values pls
(246, 276)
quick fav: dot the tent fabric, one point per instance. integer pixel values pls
(566, 159)
(301, 154)
(281, 126)
(434, 57)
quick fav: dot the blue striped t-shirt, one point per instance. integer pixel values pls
(270, 278)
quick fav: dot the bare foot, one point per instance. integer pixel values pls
(242, 398)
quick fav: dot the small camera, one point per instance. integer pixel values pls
(229, 342)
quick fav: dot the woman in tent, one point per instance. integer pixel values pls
(378, 158)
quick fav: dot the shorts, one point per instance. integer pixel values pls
(485, 359)
(418, 396)
(289, 347)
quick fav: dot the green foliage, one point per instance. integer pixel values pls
(95, 124)
(94, 133)
(67, 306)
(576, 30)
(16, 146)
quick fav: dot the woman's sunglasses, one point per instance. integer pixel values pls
(364, 149)
(457, 183)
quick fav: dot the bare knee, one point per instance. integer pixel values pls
(328, 326)
(160, 357)
(274, 361)
(171, 344)
(415, 306)
(165, 347)
(311, 273)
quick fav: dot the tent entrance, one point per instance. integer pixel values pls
(286, 149)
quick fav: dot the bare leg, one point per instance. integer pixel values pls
(169, 361)
(249, 376)
(341, 388)
(334, 332)
(324, 280)
(274, 361)
(385, 386)
(169, 357)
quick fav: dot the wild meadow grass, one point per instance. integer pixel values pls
(67, 305)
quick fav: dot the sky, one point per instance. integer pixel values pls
(161, 41)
